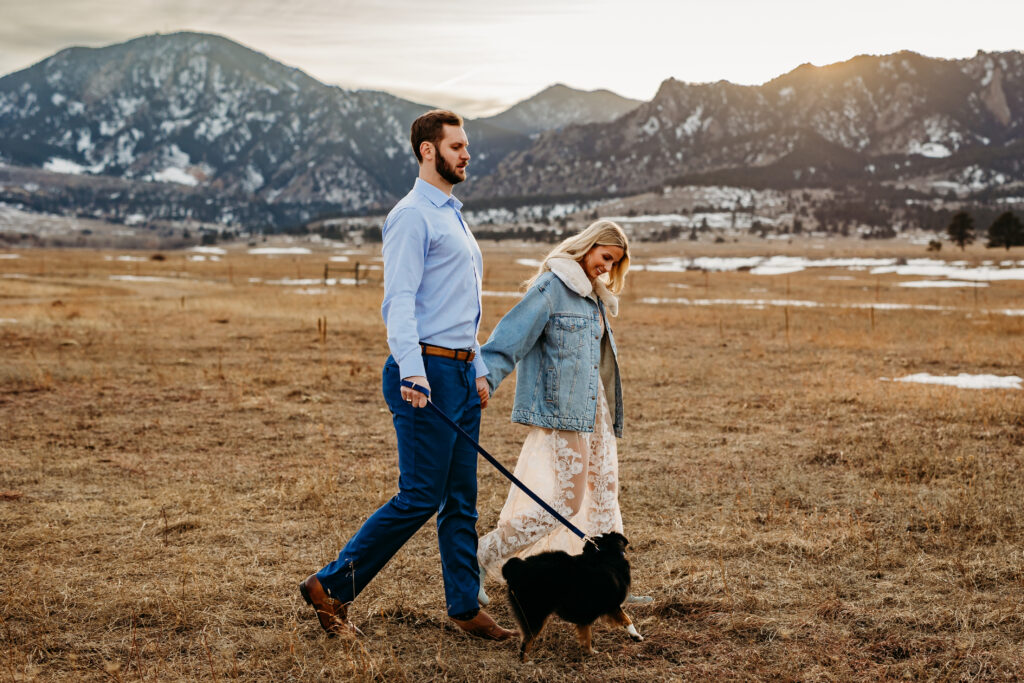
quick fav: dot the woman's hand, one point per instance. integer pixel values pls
(483, 390)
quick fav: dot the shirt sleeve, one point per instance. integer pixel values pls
(406, 240)
(478, 361)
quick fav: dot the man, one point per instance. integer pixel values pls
(432, 283)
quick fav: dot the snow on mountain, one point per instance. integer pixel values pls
(890, 117)
(199, 109)
(197, 126)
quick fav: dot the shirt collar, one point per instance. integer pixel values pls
(436, 196)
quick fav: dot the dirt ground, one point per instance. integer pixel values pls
(180, 448)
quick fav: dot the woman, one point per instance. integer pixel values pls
(569, 392)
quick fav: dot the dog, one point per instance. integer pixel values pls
(578, 588)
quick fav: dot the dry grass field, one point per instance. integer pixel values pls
(177, 453)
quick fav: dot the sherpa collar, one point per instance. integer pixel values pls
(571, 273)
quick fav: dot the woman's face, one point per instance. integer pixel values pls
(600, 259)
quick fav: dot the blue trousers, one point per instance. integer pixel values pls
(436, 474)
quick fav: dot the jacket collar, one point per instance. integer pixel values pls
(571, 273)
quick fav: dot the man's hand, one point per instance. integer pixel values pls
(483, 390)
(413, 397)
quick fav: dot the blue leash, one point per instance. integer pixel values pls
(494, 461)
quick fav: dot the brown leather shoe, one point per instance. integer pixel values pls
(333, 615)
(482, 626)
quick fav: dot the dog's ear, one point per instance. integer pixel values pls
(620, 538)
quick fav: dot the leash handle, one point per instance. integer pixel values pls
(416, 387)
(494, 461)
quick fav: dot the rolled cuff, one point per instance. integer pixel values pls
(478, 364)
(412, 365)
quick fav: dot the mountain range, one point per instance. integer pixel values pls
(901, 119)
(247, 139)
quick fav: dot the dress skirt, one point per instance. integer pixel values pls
(577, 473)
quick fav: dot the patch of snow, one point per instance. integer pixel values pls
(941, 283)
(279, 251)
(983, 274)
(308, 282)
(253, 179)
(209, 250)
(58, 165)
(652, 126)
(775, 270)
(84, 140)
(763, 303)
(932, 150)
(173, 175)
(10, 256)
(140, 278)
(989, 72)
(963, 380)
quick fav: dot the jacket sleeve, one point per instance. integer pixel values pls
(514, 336)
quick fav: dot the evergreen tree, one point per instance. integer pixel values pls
(961, 229)
(1006, 231)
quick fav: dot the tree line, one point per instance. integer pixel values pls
(1005, 231)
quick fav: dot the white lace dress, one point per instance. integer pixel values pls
(577, 473)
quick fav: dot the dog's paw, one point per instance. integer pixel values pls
(634, 634)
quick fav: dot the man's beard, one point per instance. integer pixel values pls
(446, 170)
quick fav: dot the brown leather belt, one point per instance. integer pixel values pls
(465, 355)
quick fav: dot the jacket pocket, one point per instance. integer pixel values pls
(551, 385)
(570, 332)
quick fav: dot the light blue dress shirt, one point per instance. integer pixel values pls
(432, 278)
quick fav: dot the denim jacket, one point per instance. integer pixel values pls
(554, 335)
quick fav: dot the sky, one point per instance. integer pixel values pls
(481, 56)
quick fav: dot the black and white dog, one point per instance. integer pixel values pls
(578, 588)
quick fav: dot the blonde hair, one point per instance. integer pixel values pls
(599, 233)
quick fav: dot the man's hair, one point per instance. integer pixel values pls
(429, 127)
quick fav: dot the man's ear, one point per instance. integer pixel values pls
(427, 150)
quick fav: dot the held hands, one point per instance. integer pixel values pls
(413, 397)
(483, 390)
(417, 400)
